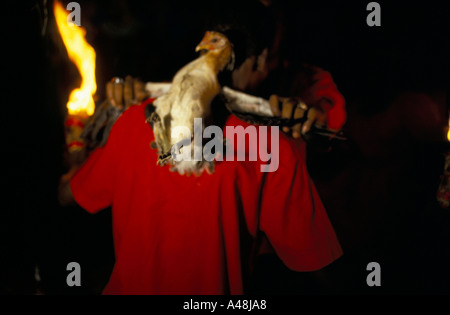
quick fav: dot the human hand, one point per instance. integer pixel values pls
(65, 196)
(65, 178)
(120, 94)
(294, 108)
(75, 159)
(124, 93)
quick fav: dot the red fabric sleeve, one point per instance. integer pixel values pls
(93, 184)
(316, 87)
(325, 88)
(293, 216)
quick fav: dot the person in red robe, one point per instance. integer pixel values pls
(177, 234)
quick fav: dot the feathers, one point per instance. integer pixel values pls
(193, 88)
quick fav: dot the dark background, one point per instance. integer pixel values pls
(379, 187)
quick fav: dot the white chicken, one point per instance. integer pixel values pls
(193, 88)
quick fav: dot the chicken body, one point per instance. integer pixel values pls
(193, 88)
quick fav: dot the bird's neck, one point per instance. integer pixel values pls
(217, 60)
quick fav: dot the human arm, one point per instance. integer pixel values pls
(65, 195)
(317, 97)
(120, 94)
(296, 222)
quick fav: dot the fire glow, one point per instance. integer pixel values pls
(448, 132)
(82, 55)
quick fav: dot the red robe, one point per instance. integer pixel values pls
(176, 234)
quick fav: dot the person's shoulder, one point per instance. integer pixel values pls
(130, 123)
(134, 112)
(132, 117)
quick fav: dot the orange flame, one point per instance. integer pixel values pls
(82, 55)
(448, 132)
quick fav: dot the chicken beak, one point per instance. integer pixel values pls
(202, 46)
(205, 44)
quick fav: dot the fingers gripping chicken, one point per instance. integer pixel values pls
(193, 88)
